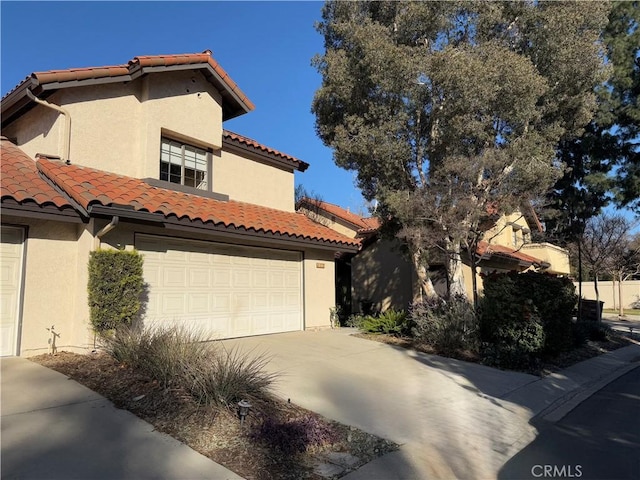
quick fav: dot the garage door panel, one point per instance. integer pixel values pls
(11, 264)
(241, 278)
(199, 302)
(221, 302)
(221, 278)
(200, 278)
(260, 301)
(292, 301)
(292, 279)
(261, 278)
(173, 303)
(222, 290)
(276, 279)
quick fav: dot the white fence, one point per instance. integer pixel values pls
(609, 293)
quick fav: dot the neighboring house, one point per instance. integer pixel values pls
(135, 156)
(381, 276)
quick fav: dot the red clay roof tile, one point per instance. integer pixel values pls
(229, 135)
(120, 190)
(21, 182)
(364, 224)
(489, 248)
(142, 61)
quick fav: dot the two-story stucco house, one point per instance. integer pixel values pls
(381, 276)
(136, 156)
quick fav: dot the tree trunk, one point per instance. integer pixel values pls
(620, 305)
(580, 280)
(595, 286)
(454, 269)
(474, 281)
(427, 291)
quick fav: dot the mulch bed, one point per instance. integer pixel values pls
(250, 450)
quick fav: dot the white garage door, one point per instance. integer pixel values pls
(11, 248)
(225, 291)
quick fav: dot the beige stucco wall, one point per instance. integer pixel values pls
(53, 274)
(331, 221)
(609, 294)
(382, 274)
(250, 181)
(117, 127)
(319, 288)
(557, 257)
(502, 232)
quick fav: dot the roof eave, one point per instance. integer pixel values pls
(16, 100)
(185, 224)
(10, 207)
(268, 157)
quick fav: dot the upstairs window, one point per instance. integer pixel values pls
(183, 164)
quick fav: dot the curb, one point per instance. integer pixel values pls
(563, 406)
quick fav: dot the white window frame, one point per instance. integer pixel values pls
(167, 154)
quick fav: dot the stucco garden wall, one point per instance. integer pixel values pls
(609, 292)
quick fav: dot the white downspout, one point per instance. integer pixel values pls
(106, 229)
(67, 126)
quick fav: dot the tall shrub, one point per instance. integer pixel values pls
(447, 326)
(555, 299)
(512, 301)
(115, 286)
(511, 331)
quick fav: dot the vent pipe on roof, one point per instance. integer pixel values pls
(67, 125)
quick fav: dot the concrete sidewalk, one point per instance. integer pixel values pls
(55, 428)
(453, 419)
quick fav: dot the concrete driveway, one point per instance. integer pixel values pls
(448, 415)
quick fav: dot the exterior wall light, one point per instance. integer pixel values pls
(243, 410)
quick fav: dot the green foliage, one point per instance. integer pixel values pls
(511, 331)
(115, 286)
(604, 159)
(445, 108)
(509, 298)
(390, 322)
(448, 326)
(555, 299)
(180, 358)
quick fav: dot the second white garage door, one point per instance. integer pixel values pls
(225, 291)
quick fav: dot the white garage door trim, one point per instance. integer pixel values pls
(221, 290)
(11, 274)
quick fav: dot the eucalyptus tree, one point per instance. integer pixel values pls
(452, 111)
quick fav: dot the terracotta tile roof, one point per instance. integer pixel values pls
(485, 248)
(228, 135)
(363, 224)
(21, 182)
(137, 66)
(90, 187)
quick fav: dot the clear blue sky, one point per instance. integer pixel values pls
(266, 47)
